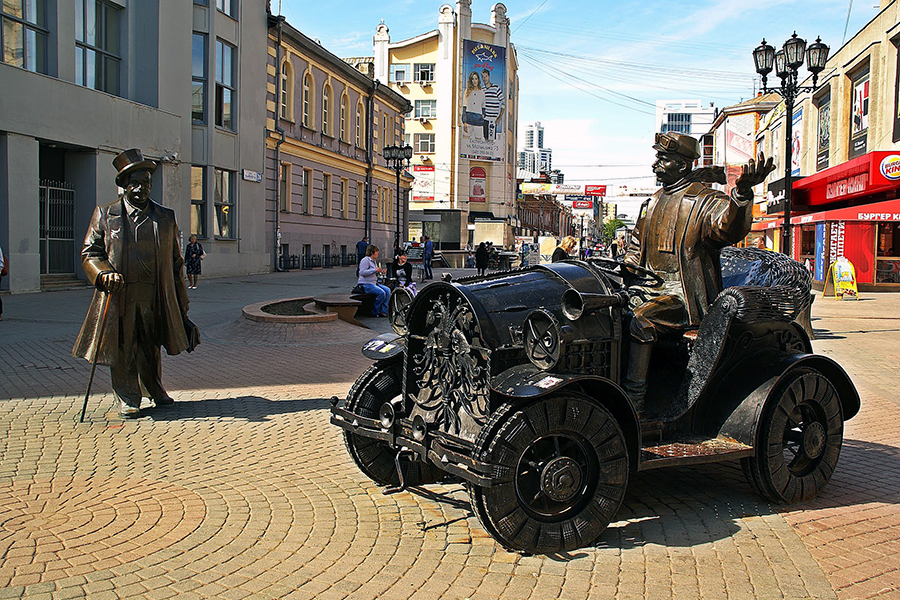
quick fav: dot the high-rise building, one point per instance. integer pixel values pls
(534, 158)
(690, 117)
(462, 80)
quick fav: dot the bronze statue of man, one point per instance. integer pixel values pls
(679, 234)
(131, 252)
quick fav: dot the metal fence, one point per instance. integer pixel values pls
(57, 227)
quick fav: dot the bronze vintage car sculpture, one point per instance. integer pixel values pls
(513, 383)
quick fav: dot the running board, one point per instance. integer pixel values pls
(692, 452)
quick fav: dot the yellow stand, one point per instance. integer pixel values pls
(842, 275)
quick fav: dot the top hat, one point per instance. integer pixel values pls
(678, 143)
(130, 161)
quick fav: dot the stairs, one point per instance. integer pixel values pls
(53, 283)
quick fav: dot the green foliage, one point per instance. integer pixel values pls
(610, 227)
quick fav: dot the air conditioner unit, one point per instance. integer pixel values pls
(423, 119)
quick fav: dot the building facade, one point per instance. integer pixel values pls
(690, 117)
(535, 158)
(462, 80)
(846, 160)
(327, 182)
(95, 77)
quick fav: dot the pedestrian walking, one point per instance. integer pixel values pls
(131, 256)
(193, 255)
(427, 257)
(481, 259)
(368, 279)
(562, 251)
(361, 246)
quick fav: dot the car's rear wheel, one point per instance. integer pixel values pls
(560, 473)
(380, 383)
(800, 436)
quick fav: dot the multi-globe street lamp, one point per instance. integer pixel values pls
(395, 156)
(786, 62)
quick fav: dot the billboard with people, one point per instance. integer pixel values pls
(483, 101)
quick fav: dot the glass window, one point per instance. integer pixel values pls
(287, 91)
(225, 88)
(97, 34)
(344, 117)
(359, 129)
(887, 261)
(896, 42)
(229, 7)
(198, 201)
(326, 195)
(426, 109)
(424, 143)
(326, 109)
(284, 191)
(400, 73)
(198, 78)
(360, 199)
(307, 178)
(23, 34)
(677, 123)
(307, 85)
(225, 204)
(424, 72)
(345, 199)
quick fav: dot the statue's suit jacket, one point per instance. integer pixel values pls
(694, 229)
(104, 251)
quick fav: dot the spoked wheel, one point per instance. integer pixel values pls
(381, 383)
(561, 469)
(398, 305)
(801, 431)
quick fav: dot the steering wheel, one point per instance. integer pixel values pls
(634, 275)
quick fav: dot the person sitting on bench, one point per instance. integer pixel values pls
(402, 269)
(368, 279)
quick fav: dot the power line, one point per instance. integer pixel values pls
(529, 16)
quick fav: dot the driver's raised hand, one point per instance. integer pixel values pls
(112, 282)
(754, 173)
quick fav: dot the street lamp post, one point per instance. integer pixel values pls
(786, 62)
(395, 156)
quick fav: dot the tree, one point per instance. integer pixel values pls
(610, 227)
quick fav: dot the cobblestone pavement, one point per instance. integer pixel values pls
(243, 489)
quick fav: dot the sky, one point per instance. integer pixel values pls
(591, 72)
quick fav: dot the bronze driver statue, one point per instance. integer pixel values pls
(132, 255)
(679, 234)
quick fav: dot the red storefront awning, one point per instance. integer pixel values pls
(888, 210)
(865, 175)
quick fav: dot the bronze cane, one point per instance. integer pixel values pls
(104, 303)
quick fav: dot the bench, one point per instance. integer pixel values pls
(346, 306)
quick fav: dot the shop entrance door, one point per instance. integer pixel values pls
(57, 228)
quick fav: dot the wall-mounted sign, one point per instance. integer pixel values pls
(423, 184)
(583, 204)
(483, 95)
(594, 190)
(477, 185)
(890, 167)
(254, 176)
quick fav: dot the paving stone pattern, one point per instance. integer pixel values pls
(242, 489)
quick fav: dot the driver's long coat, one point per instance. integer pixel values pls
(104, 250)
(691, 223)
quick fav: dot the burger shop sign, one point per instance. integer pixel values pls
(869, 174)
(847, 187)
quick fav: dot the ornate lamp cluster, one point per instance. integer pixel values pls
(395, 157)
(786, 63)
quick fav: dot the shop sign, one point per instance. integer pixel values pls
(836, 245)
(890, 167)
(423, 184)
(583, 204)
(535, 188)
(477, 185)
(845, 187)
(595, 190)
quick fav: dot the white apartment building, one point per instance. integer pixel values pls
(690, 117)
(535, 158)
(464, 171)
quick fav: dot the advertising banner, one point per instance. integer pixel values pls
(824, 133)
(594, 190)
(477, 185)
(738, 147)
(535, 188)
(819, 271)
(859, 115)
(582, 204)
(483, 97)
(796, 141)
(423, 184)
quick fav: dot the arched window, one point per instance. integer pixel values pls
(360, 142)
(307, 100)
(326, 109)
(286, 101)
(343, 132)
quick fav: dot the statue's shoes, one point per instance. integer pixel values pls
(129, 412)
(163, 400)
